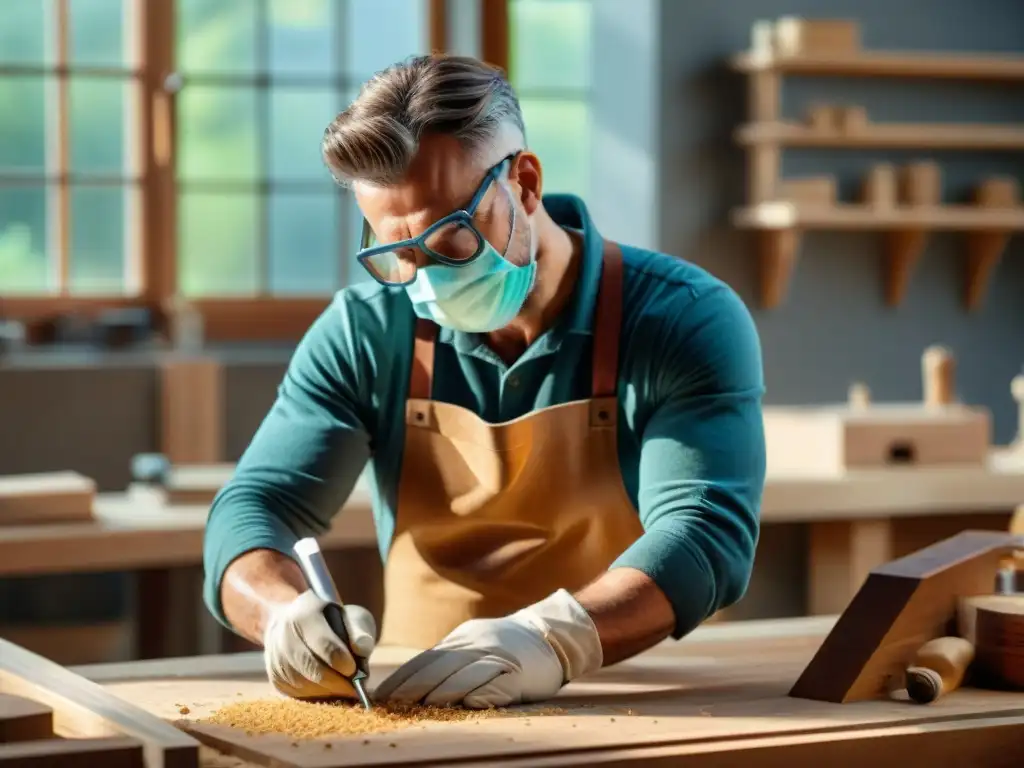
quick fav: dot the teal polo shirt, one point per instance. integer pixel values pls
(691, 440)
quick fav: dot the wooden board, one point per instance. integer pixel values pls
(707, 701)
(83, 711)
(50, 497)
(192, 410)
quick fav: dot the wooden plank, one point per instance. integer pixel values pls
(49, 497)
(111, 752)
(994, 743)
(83, 709)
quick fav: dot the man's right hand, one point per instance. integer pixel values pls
(304, 658)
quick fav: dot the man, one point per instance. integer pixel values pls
(565, 435)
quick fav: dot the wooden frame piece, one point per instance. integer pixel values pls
(192, 411)
(83, 709)
(902, 605)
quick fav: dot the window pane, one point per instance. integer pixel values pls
(559, 132)
(302, 34)
(24, 266)
(97, 123)
(305, 248)
(217, 36)
(298, 117)
(379, 33)
(23, 125)
(218, 252)
(97, 262)
(549, 44)
(97, 32)
(217, 133)
(24, 33)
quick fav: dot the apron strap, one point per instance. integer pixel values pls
(421, 377)
(607, 325)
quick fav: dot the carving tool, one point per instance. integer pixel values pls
(319, 578)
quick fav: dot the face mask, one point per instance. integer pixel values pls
(478, 298)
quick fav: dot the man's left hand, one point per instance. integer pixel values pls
(525, 657)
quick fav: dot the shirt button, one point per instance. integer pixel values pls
(513, 381)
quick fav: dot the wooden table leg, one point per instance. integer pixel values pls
(841, 554)
(152, 613)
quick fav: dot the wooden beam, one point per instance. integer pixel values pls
(494, 33)
(437, 13)
(83, 709)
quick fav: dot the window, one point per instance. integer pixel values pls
(192, 168)
(549, 63)
(69, 182)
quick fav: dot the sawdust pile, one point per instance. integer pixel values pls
(308, 720)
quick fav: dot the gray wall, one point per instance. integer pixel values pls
(834, 328)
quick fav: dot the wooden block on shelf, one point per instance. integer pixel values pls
(921, 183)
(50, 497)
(880, 186)
(822, 117)
(837, 438)
(810, 190)
(852, 118)
(196, 483)
(998, 192)
(795, 36)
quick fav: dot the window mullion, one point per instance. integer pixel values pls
(61, 227)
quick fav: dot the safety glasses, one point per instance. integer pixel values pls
(453, 240)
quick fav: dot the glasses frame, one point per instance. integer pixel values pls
(463, 216)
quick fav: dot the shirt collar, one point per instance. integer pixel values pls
(571, 212)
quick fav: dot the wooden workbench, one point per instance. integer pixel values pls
(717, 698)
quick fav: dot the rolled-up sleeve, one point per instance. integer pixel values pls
(702, 461)
(304, 459)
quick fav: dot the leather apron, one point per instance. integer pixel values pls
(494, 517)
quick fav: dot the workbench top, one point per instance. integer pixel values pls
(721, 690)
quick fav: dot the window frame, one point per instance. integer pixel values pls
(153, 242)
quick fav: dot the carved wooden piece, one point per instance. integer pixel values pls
(985, 249)
(902, 605)
(52, 497)
(84, 710)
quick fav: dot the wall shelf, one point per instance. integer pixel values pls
(889, 64)
(904, 209)
(886, 136)
(780, 226)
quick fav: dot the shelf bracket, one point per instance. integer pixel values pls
(903, 249)
(777, 253)
(984, 250)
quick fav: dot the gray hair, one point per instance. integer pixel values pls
(376, 138)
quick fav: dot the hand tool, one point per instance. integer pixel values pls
(319, 578)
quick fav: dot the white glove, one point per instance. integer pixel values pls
(485, 663)
(304, 658)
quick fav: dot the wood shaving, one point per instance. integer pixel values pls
(309, 720)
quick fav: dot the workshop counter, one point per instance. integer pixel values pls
(719, 697)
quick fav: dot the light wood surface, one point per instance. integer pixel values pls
(911, 64)
(48, 497)
(704, 698)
